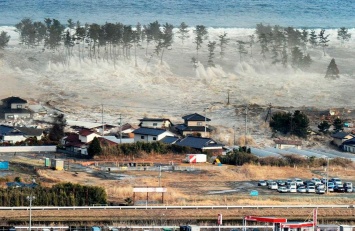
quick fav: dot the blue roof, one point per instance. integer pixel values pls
(169, 139)
(20, 184)
(149, 131)
(198, 142)
(195, 117)
(4, 129)
(340, 135)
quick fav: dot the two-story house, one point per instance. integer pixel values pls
(194, 124)
(14, 108)
(150, 134)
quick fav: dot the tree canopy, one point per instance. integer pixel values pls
(296, 124)
(332, 70)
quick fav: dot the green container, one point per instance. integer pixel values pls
(47, 162)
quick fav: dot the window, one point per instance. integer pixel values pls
(154, 138)
(142, 137)
(10, 116)
(199, 123)
(155, 124)
(19, 106)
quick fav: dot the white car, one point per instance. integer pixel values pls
(282, 189)
(311, 189)
(291, 188)
(337, 181)
(273, 185)
(316, 181)
(298, 181)
(302, 189)
(320, 186)
(320, 191)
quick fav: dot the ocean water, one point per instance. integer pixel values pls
(211, 13)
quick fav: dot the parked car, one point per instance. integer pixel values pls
(311, 189)
(298, 181)
(273, 185)
(302, 189)
(348, 186)
(336, 181)
(339, 188)
(268, 182)
(320, 191)
(291, 188)
(309, 183)
(324, 180)
(316, 181)
(320, 186)
(282, 189)
(280, 182)
(262, 183)
(289, 181)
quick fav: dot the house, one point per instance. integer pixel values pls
(79, 142)
(150, 134)
(340, 137)
(349, 145)
(284, 144)
(114, 140)
(14, 108)
(194, 124)
(9, 134)
(155, 123)
(201, 143)
(126, 130)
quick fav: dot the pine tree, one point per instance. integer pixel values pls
(4, 39)
(251, 43)
(324, 126)
(223, 42)
(201, 34)
(211, 47)
(343, 35)
(313, 38)
(338, 125)
(323, 40)
(263, 44)
(183, 32)
(332, 70)
(241, 49)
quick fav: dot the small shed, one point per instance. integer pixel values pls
(57, 164)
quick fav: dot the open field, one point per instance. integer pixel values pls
(207, 184)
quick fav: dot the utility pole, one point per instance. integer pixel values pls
(120, 129)
(246, 126)
(326, 185)
(102, 119)
(228, 97)
(205, 121)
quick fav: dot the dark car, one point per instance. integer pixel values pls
(280, 182)
(339, 189)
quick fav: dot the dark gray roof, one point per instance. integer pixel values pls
(149, 131)
(183, 127)
(13, 99)
(349, 142)
(195, 117)
(153, 119)
(169, 139)
(9, 130)
(198, 142)
(340, 135)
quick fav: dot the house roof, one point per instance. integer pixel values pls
(13, 99)
(288, 142)
(20, 184)
(28, 131)
(154, 119)
(195, 117)
(183, 127)
(349, 141)
(86, 132)
(117, 140)
(198, 142)
(169, 139)
(149, 131)
(340, 135)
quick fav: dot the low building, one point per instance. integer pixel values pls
(349, 145)
(285, 144)
(150, 134)
(340, 137)
(201, 143)
(155, 123)
(9, 134)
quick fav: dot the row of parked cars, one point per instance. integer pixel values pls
(314, 185)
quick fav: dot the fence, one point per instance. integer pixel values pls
(7, 149)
